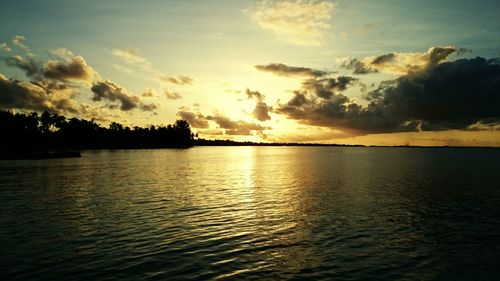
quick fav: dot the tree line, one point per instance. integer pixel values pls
(35, 131)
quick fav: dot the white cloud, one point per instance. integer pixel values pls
(132, 56)
(63, 53)
(18, 41)
(5, 47)
(302, 22)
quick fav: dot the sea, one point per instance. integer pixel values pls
(253, 213)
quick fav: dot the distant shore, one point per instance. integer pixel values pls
(203, 142)
(38, 155)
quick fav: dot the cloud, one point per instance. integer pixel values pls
(230, 127)
(47, 96)
(451, 95)
(131, 56)
(75, 68)
(52, 87)
(97, 113)
(326, 87)
(149, 106)
(196, 120)
(149, 92)
(302, 22)
(287, 71)
(171, 95)
(63, 53)
(179, 80)
(444, 95)
(18, 40)
(5, 47)
(261, 111)
(235, 127)
(484, 126)
(358, 67)
(108, 90)
(254, 94)
(401, 63)
(16, 94)
(339, 112)
(31, 67)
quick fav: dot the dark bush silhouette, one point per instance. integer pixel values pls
(50, 131)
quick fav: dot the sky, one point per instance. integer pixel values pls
(393, 72)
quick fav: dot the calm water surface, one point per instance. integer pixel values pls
(258, 213)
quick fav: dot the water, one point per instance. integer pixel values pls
(253, 213)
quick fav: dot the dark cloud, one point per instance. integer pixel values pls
(31, 67)
(230, 127)
(16, 94)
(108, 90)
(383, 58)
(179, 80)
(254, 94)
(326, 87)
(261, 111)
(463, 51)
(298, 99)
(149, 106)
(96, 113)
(49, 96)
(452, 95)
(358, 67)
(447, 95)
(235, 127)
(51, 86)
(285, 70)
(75, 68)
(339, 113)
(196, 120)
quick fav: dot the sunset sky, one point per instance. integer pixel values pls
(392, 72)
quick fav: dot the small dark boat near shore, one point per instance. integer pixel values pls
(34, 155)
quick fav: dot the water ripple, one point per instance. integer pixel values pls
(252, 213)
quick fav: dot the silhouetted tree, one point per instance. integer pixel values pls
(53, 131)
